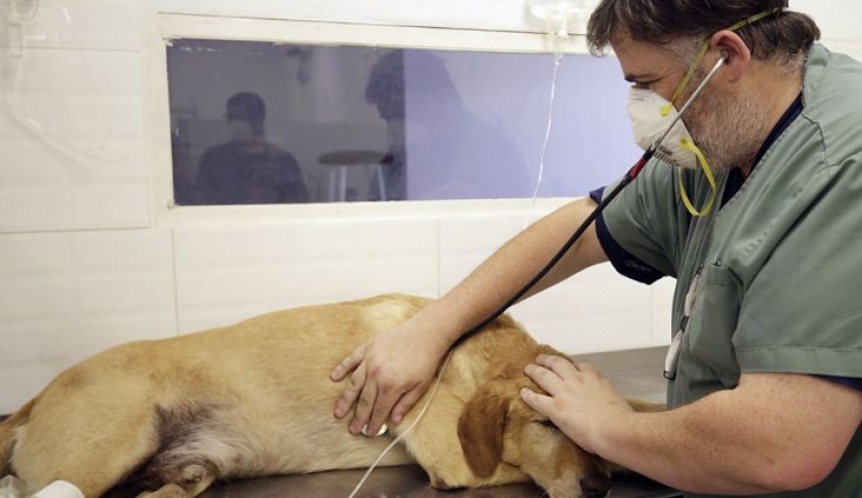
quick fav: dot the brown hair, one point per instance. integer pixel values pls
(782, 35)
(247, 106)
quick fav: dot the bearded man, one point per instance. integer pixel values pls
(752, 205)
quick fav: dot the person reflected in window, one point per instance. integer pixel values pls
(248, 169)
(437, 148)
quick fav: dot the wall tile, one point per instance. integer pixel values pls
(66, 296)
(468, 240)
(838, 19)
(102, 24)
(72, 141)
(851, 48)
(21, 381)
(226, 274)
(595, 311)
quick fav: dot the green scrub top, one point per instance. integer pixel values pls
(780, 264)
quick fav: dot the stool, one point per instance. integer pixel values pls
(338, 161)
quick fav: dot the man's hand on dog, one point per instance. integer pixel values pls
(390, 373)
(578, 400)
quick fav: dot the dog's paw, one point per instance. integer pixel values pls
(11, 487)
(59, 489)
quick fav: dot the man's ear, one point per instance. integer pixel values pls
(736, 53)
(480, 431)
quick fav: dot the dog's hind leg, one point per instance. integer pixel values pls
(167, 491)
(7, 436)
(190, 481)
(93, 449)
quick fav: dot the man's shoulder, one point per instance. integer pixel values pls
(280, 156)
(832, 85)
(219, 150)
(833, 103)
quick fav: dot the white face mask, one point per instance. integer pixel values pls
(649, 122)
(656, 127)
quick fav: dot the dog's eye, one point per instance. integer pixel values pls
(546, 423)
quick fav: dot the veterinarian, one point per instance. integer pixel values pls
(756, 210)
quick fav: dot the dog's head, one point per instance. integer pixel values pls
(498, 428)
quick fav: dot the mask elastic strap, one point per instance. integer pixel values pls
(710, 178)
(685, 79)
(753, 19)
(702, 52)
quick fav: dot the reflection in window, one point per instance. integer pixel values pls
(262, 123)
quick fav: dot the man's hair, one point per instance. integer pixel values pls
(428, 77)
(782, 35)
(247, 106)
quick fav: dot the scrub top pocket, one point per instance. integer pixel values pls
(712, 325)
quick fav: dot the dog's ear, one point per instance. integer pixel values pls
(480, 431)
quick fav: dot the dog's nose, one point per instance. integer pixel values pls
(595, 485)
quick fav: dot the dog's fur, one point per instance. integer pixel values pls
(167, 418)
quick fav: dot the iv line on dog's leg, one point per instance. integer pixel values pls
(401, 436)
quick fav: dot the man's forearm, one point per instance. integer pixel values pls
(774, 432)
(675, 449)
(497, 279)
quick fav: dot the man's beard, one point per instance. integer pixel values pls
(729, 131)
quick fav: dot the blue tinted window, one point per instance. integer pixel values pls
(260, 123)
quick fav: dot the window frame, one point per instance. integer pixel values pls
(175, 26)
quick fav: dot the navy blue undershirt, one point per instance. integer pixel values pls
(632, 267)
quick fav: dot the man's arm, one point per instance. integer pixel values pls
(392, 371)
(503, 274)
(774, 432)
(292, 185)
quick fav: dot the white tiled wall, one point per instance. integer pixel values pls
(839, 19)
(595, 311)
(84, 265)
(71, 130)
(839, 22)
(65, 296)
(227, 274)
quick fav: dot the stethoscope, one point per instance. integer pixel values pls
(625, 181)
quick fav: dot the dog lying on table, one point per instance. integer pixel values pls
(167, 418)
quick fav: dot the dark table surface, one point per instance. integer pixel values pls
(403, 482)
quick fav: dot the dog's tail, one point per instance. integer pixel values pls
(7, 436)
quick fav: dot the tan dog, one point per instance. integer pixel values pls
(165, 419)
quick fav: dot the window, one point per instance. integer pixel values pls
(263, 123)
